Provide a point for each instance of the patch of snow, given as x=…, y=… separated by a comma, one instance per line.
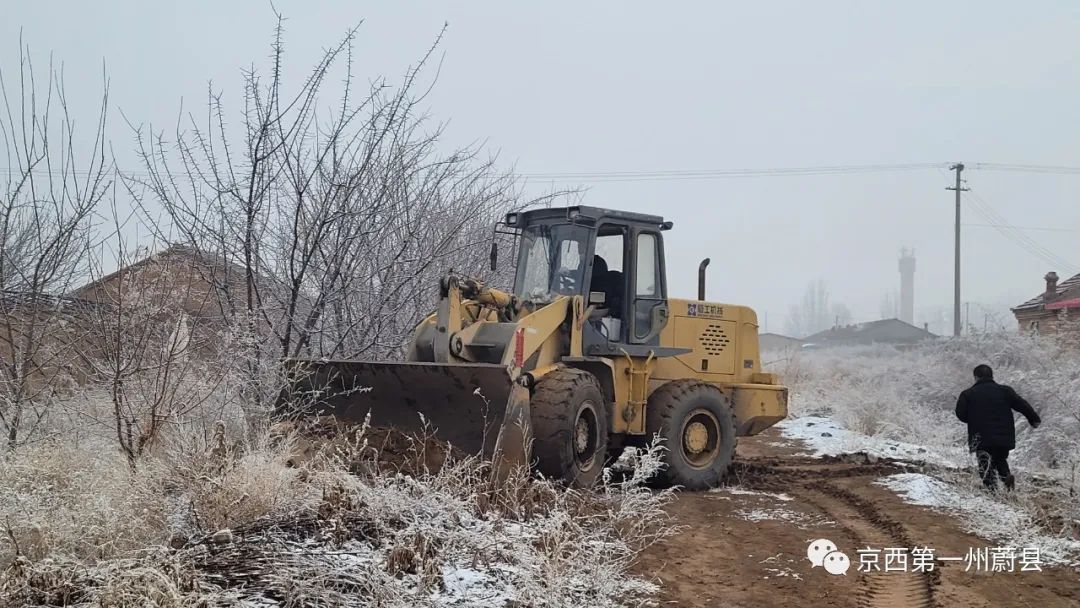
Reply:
x=983, y=515
x=779, y=572
x=802, y=520
x=824, y=437
x=469, y=587
x=924, y=490
x=742, y=492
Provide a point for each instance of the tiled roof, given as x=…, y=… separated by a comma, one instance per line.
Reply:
x=884, y=331
x=219, y=268
x=1062, y=288
x=771, y=341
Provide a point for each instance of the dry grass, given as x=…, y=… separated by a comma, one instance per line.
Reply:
x=204, y=525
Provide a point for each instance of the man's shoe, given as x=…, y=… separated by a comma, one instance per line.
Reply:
x=1010, y=482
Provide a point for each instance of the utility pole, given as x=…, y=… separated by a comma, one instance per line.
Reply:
x=959, y=168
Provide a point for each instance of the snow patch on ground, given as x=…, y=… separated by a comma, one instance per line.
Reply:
x=983, y=515
x=469, y=587
x=798, y=518
x=782, y=572
x=779, y=570
x=743, y=492
x=824, y=437
x=768, y=506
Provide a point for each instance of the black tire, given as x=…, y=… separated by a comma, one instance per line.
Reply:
x=698, y=428
x=570, y=426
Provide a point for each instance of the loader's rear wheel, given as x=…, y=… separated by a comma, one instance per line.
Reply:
x=697, y=426
x=570, y=426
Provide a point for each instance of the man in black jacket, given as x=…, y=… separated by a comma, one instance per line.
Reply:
x=987, y=408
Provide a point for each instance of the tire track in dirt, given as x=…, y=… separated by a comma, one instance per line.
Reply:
x=776, y=473
x=815, y=483
x=871, y=528
x=837, y=498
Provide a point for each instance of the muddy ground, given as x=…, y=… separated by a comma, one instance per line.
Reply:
x=740, y=549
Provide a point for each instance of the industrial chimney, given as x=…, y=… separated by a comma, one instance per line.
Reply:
x=907, y=285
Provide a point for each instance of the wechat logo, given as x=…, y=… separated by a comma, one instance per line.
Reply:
x=823, y=552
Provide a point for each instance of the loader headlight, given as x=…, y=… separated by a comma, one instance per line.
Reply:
x=511, y=219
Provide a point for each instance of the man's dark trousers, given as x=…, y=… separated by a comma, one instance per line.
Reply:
x=994, y=462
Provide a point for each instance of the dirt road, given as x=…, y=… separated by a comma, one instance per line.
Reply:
x=747, y=546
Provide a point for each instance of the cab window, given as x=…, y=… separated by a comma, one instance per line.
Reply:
x=648, y=263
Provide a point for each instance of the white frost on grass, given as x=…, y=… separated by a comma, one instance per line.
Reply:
x=983, y=515
x=824, y=437
x=470, y=587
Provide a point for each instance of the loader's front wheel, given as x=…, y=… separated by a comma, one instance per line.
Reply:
x=695, y=421
x=570, y=426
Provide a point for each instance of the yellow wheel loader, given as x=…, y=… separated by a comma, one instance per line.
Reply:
x=587, y=355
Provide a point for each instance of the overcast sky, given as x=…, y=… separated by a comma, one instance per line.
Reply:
x=644, y=87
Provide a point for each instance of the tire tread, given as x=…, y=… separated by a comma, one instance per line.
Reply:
x=661, y=412
x=551, y=420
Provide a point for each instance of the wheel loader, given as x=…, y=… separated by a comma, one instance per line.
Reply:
x=585, y=356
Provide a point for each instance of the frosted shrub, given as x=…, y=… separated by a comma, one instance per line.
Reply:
x=216, y=522
x=84, y=502
x=60, y=499
x=910, y=395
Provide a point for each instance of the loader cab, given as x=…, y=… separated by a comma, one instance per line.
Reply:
x=614, y=259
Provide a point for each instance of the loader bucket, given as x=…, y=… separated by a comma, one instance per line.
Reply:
x=475, y=407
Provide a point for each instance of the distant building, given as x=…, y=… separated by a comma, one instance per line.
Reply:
x=201, y=285
x=1057, y=307
x=886, y=331
x=776, y=342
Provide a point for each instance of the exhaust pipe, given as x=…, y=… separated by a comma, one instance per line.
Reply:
x=701, y=279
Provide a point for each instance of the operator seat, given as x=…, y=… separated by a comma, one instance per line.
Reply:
x=614, y=288
x=601, y=282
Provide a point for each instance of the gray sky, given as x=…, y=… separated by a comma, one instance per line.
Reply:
x=561, y=87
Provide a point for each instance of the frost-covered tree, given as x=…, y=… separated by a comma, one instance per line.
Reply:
x=335, y=219
x=890, y=305
x=50, y=187
x=816, y=312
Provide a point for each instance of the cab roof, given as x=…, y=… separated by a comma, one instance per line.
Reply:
x=592, y=215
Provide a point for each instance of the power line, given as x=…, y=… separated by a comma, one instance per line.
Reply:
x=1037, y=228
x=998, y=222
x=680, y=174
x=1024, y=168
x=698, y=174
x=702, y=174
x=69, y=172
x=815, y=170
x=651, y=175
x=1009, y=231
